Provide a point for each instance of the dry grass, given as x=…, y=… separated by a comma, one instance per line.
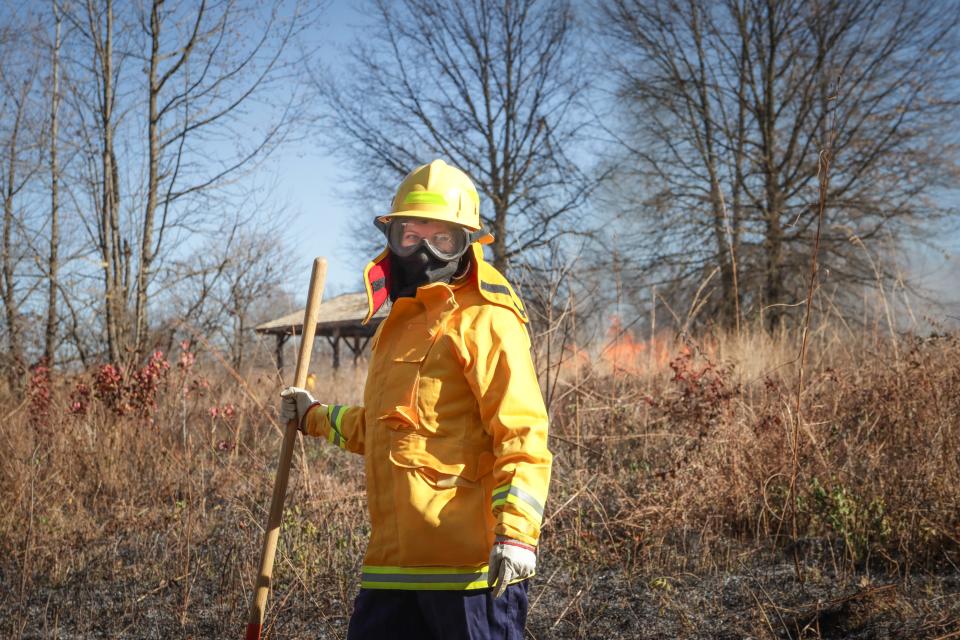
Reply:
x=664, y=521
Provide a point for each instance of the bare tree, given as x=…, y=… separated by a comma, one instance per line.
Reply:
x=727, y=106
x=182, y=66
x=489, y=86
x=197, y=91
x=256, y=271
x=18, y=165
x=232, y=283
x=129, y=138
x=94, y=95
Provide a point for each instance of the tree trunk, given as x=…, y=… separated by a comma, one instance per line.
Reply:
x=723, y=241
x=14, y=345
x=238, y=342
x=720, y=223
x=773, y=289
x=773, y=262
x=739, y=179
x=111, y=250
x=499, y=246
x=153, y=149
x=50, y=335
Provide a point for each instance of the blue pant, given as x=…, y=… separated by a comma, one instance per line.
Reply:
x=380, y=614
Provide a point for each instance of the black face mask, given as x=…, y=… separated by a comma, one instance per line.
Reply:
x=418, y=269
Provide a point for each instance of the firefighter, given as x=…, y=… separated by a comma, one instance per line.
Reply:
x=453, y=427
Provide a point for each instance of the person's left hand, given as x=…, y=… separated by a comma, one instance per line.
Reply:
x=509, y=560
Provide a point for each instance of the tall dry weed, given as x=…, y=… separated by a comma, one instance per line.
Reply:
x=702, y=448
x=145, y=521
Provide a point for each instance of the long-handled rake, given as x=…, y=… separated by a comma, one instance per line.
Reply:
x=272, y=532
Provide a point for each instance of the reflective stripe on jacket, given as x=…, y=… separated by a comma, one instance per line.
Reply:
x=453, y=431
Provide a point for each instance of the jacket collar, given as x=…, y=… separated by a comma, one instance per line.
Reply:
x=493, y=286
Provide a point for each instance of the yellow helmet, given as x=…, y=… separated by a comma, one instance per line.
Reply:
x=438, y=191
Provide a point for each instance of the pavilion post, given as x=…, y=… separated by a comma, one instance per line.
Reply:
x=281, y=340
x=334, y=341
x=336, y=350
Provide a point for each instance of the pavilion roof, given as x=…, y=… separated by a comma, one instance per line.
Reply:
x=342, y=315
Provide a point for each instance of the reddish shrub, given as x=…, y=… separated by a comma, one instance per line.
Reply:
x=187, y=358
x=108, y=388
x=226, y=412
x=146, y=383
x=121, y=393
x=38, y=391
x=80, y=399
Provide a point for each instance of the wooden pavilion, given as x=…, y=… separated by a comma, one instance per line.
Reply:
x=340, y=320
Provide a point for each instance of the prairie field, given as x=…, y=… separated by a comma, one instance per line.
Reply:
x=689, y=499
x=733, y=227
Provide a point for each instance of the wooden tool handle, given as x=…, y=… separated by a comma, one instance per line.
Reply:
x=272, y=533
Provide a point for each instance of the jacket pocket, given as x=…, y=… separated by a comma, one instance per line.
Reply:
x=441, y=462
x=440, y=502
x=397, y=394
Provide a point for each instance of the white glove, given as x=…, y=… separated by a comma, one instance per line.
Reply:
x=509, y=560
x=294, y=404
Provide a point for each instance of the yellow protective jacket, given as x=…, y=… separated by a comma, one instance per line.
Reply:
x=453, y=431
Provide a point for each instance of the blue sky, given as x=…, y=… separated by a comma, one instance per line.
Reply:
x=313, y=185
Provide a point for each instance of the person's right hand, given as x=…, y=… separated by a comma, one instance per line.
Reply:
x=294, y=404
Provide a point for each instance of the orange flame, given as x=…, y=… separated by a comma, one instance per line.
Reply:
x=623, y=353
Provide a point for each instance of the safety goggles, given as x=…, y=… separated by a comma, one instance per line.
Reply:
x=445, y=240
